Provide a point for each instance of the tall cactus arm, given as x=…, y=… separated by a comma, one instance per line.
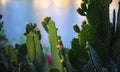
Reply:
x=34, y=48
x=53, y=38
x=30, y=46
x=83, y=36
x=40, y=62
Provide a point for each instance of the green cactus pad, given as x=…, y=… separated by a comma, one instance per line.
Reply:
x=76, y=28
x=83, y=6
x=81, y=12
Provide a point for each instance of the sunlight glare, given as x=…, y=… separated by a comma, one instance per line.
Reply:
x=62, y=3
x=3, y=2
x=42, y=3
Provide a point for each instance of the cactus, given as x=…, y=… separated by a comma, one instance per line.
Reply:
x=39, y=58
x=76, y=28
x=30, y=46
x=94, y=58
x=53, y=70
x=53, y=39
x=100, y=34
x=79, y=50
x=118, y=22
x=81, y=12
x=67, y=64
x=88, y=67
x=13, y=58
x=76, y=55
x=98, y=31
x=31, y=68
x=21, y=52
x=83, y=36
x=12, y=54
x=34, y=48
x=4, y=60
x=3, y=39
x=102, y=54
x=116, y=39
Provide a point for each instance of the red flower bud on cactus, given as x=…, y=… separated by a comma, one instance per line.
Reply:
x=59, y=47
x=42, y=22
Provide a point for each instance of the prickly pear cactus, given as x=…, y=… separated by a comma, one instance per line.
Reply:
x=99, y=33
x=76, y=56
x=79, y=50
x=102, y=35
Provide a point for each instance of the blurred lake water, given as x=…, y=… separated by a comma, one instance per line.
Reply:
x=17, y=12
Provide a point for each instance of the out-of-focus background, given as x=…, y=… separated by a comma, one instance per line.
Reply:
x=17, y=12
